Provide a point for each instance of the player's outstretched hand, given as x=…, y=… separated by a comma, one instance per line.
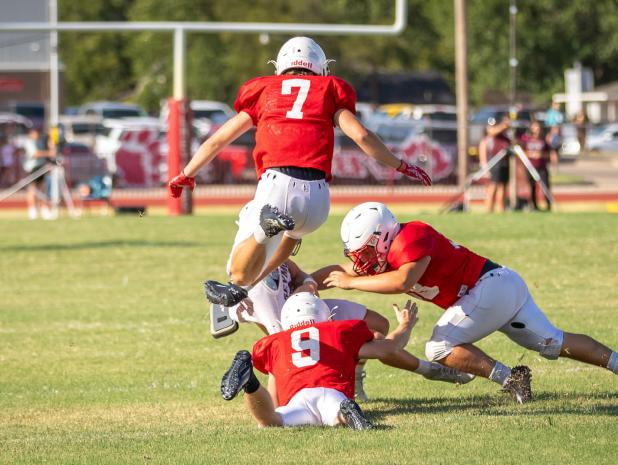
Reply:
x=408, y=316
x=339, y=279
x=414, y=172
x=178, y=183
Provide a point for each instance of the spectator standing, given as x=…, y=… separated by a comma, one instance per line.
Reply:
x=554, y=116
x=580, y=121
x=496, y=140
x=38, y=150
x=539, y=152
x=7, y=154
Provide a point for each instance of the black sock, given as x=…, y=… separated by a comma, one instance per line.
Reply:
x=252, y=385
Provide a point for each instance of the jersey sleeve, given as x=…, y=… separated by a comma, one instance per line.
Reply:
x=261, y=355
x=411, y=244
x=345, y=95
x=247, y=98
x=354, y=334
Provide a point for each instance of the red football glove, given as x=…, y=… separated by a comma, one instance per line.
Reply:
x=178, y=183
x=414, y=172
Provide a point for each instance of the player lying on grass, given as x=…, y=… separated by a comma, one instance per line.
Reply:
x=479, y=296
x=295, y=112
x=312, y=362
x=267, y=298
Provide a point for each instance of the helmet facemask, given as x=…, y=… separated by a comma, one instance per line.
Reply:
x=367, y=260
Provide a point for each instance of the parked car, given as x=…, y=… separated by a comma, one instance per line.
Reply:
x=81, y=164
x=34, y=111
x=16, y=127
x=20, y=125
x=81, y=129
x=432, y=144
x=134, y=149
x=234, y=164
x=570, y=148
x=207, y=115
x=420, y=112
x=365, y=111
x=112, y=110
x=603, y=138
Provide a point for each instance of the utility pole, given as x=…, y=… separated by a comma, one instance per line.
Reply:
x=461, y=79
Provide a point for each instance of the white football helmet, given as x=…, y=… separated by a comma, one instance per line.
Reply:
x=302, y=52
x=367, y=232
x=303, y=308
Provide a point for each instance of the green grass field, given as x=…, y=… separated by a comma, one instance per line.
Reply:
x=105, y=354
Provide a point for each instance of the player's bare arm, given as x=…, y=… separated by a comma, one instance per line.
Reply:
x=301, y=281
x=373, y=146
x=365, y=139
x=225, y=135
x=323, y=273
x=391, y=282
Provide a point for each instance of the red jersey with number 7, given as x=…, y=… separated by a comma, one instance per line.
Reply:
x=319, y=355
x=294, y=119
x=452, y=270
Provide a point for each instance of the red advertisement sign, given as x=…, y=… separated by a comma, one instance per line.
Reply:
x=11, y=85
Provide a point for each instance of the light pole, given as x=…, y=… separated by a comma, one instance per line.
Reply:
x=513, y=49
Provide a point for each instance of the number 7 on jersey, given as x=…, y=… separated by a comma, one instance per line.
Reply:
x=303, y=90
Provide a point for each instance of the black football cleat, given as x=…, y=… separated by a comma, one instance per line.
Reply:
x=353, y=415
x=237, y=376
x=227, y=295
x=518, y=384
x=272, y=221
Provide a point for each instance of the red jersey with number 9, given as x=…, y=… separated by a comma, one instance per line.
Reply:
x=294, y=119
x=319, y=355
x=453, y=269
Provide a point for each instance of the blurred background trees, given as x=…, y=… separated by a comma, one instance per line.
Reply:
x=551, y=36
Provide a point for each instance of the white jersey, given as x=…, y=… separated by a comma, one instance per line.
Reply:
x=269, y=295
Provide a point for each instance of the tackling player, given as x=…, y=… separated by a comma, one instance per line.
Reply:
x=294, y=112
x=267, y=298
x=312, y=361
x=479, y=296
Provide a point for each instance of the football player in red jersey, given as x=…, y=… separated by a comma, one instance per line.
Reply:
x=312, y=362
x=295, y=112
x=479, y=296
x=267, y=298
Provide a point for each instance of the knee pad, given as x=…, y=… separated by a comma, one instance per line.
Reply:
x=550, y=349
x=437, y=350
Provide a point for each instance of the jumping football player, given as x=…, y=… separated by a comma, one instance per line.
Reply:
x=479, y=296
x=267, y=298
x=294, y=112
x=312, y=361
